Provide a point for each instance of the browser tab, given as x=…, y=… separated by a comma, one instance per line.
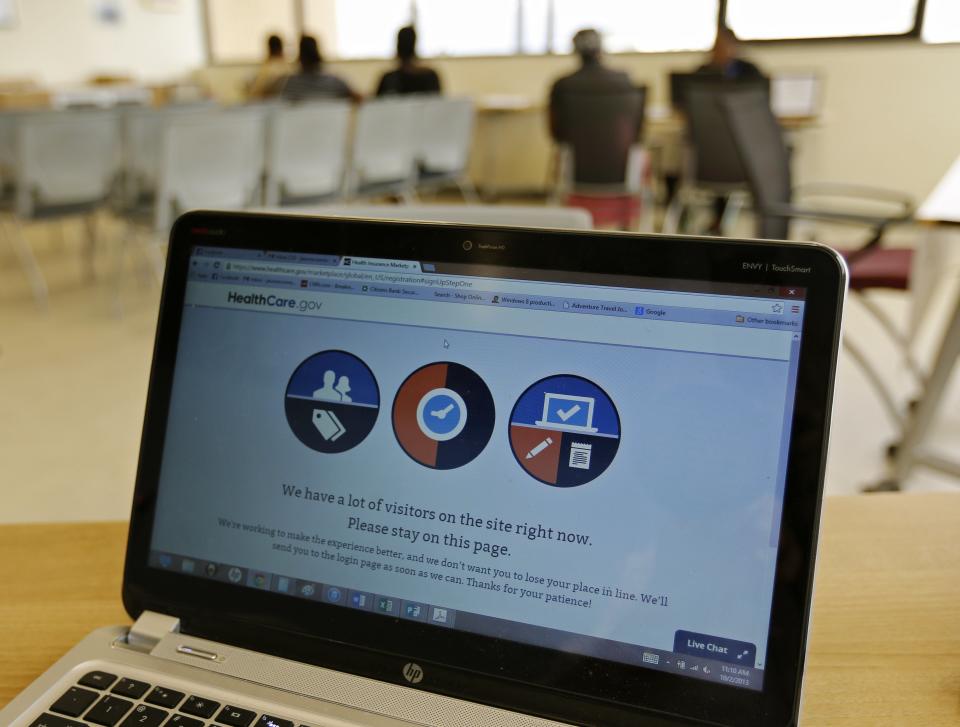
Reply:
x=383, y=264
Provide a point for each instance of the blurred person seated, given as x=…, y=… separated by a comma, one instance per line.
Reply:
x=593, y=77
x=410, y=76
x=725, y=64
x=311, y=82
x=272, y=71
x=596, y=117
x=725, y=61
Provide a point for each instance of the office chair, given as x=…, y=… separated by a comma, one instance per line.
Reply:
x=212, y=159
x=384, y=154
x=766, y=162
x=206, y=158
x=65, y=166
x=680, y=81
x=142, y=130
x=712, y=168
x=444, y=140
x=602, y=165
x=307, y=147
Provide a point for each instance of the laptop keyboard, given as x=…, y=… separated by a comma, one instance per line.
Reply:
x=105, y=700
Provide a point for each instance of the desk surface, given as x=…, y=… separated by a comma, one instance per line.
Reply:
x=885, y=646
x=657, y=115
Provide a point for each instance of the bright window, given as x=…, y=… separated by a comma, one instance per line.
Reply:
x=357, y=28
x=780, y=19
x=534, y=33
x=367, y=28
x=941, y=21
x=450, y=28
x=239, y=28
x=638, y=25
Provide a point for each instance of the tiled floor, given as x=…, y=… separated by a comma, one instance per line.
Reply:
x=73, y=384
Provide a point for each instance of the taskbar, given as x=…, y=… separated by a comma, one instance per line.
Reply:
x=676, y=662
x=299, y=588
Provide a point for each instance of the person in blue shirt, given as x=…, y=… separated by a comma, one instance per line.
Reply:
x=726, y=64
x=725, y=60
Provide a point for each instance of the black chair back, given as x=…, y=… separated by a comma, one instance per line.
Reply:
x=764, y=155
x=680, y=82
x=599, y=129
x=715, y=157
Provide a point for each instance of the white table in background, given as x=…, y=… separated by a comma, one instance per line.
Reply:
x=939, y=211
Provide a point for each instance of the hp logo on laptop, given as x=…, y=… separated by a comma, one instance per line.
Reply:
x=412, y=673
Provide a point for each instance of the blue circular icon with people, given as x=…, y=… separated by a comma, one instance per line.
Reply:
x=564, y=431
x=332, y=401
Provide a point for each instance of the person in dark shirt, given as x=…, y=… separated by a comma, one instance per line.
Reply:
x=592, y=77
x=312, y=82
x=725, y=61
x=409, y=76
x=726, y=64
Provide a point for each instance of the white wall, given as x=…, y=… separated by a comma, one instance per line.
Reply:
x=60, y=42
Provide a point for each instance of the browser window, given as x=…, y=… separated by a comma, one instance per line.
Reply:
x=572, y=461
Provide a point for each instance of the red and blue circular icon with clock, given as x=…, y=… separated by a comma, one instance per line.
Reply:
x=443, y=415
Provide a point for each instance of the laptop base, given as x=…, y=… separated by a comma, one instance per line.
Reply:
x=308, y=695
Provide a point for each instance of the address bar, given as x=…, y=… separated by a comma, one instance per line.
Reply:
x=361, y=276
x=501, y=286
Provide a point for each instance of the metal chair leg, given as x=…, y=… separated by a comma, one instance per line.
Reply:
x=731, y=212
x=127, y=240
x=891, y=329
x=155, y=254
x=467, y=190
x=90, y=237
x=646, y=209
x=909, y=451
x=28, y=261
x=874, y=378
x=408, y=195
x=673, y=214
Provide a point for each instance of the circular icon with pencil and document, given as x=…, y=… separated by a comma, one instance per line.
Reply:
x=443, y=415
x=332, y=401
x=564, y=431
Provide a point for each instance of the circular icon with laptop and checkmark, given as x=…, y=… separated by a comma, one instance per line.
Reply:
x=564, y=431
x=443, y=415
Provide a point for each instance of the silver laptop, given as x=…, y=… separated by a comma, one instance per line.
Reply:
x=431, y=474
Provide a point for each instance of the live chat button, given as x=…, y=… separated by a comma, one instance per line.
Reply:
x=715, y=647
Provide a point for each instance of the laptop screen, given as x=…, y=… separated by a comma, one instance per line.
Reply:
x=588, y=463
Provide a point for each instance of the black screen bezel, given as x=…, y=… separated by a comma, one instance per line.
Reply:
x=531, y=679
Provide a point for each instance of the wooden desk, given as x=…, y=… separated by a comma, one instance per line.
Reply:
x=514, y=153
x=885, y=646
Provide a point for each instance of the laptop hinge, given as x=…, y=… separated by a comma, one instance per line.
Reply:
x=147, y=630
